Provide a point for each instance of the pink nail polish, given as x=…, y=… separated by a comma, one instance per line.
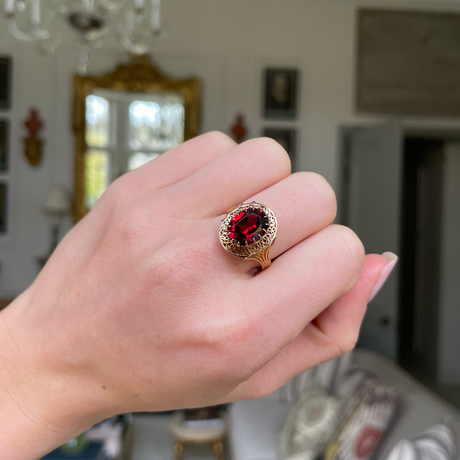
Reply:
x=384, y=274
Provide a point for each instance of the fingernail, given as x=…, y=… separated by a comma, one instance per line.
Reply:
x=384, y=274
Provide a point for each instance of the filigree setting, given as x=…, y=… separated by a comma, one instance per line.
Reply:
x=259, y=250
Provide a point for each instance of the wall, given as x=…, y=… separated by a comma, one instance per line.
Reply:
x=449, y=362
x=226, y=44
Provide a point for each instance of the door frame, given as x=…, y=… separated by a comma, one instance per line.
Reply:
x=345, y=133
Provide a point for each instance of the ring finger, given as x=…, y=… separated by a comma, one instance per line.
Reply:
x=304, y=203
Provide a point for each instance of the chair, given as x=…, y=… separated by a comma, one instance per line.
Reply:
x=211, y=431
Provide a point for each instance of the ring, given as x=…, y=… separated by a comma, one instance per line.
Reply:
x=249, y=231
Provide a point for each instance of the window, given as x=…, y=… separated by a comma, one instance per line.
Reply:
x=97, y=157
x=125, y=131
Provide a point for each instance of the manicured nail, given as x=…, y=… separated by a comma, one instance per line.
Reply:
x=384, y=274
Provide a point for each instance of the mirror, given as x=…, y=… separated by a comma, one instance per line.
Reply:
x=124, y=119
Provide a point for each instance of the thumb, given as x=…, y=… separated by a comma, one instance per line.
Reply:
x=332, y=332
x=342, y=320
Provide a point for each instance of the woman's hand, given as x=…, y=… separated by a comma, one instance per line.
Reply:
x=140, y=308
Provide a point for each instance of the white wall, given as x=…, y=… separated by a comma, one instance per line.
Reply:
x=226, y=44
x=449, y=346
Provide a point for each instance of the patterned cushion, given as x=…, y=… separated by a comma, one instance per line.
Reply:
x=368, y=410
x=436, y=443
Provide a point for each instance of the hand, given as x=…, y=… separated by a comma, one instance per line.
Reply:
x=140, y=308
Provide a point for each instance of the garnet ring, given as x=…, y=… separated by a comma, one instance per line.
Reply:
x=249, y=231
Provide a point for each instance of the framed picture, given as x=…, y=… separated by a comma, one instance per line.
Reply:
x=4, y=145
x=415, y=69
x=287, y=138
x=280, y=95
x=5, y=82
x=3, y=207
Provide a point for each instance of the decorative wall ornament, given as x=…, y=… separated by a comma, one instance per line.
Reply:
x=239, y=129
x=32, y=143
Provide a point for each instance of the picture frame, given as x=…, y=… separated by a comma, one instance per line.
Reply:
x=400, y=73
x=287, y=138
x=4, y=144
x=6, y=65
x=3, y=207
x=280, y=93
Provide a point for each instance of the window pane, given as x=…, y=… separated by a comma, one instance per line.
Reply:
x=156, y=125
x=96, y=175
x=138, y=159
x=97, y=121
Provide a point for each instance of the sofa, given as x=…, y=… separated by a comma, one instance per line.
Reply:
x=255, y=425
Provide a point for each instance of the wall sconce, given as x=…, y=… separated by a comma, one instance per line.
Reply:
x=32, y=143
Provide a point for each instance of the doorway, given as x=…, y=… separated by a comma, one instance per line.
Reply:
x=399, y=192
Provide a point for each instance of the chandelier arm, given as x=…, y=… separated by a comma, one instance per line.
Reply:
x=142, y=21
x=35, y=35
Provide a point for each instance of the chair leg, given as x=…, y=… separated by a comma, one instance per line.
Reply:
x=178, y=450
x=219, y=450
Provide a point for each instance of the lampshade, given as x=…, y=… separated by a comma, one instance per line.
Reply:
x=57, y=201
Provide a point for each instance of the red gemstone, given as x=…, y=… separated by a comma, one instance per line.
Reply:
x=247, y=227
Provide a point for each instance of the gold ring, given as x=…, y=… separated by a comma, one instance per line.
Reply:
x=249, y=231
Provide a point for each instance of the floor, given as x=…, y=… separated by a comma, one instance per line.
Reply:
x=153, y=441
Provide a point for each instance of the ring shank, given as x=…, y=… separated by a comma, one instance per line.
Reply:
x=262, y=257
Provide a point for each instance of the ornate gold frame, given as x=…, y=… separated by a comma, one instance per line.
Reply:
x=139, y=75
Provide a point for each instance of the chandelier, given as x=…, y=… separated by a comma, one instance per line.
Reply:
x=131, y=24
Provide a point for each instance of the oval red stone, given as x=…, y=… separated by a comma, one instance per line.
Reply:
x=247, y=227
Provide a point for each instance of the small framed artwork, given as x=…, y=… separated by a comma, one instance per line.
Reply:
x=287, y=138
x=3, y=207
x=5, y=82
x=4, y=145
x=280, y=95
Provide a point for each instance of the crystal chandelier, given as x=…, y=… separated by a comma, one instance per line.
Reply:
x=132, y=24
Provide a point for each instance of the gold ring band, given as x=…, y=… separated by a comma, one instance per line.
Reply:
x=249, y=231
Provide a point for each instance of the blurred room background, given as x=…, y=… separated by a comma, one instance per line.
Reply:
x=364, y=92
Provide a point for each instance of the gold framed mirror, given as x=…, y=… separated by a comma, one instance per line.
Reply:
x=124, y=119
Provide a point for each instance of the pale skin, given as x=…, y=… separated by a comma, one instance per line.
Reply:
x=140, y=308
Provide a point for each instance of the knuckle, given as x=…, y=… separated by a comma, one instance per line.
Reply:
x=119, y=186
x=223, y=344
x=118, y=195
x=129, y=229
x=350, y=247
x=271, y=155
x=110, y=198
x=220, y=139
x=306, y=182
x=347, y=343
x=232, y=341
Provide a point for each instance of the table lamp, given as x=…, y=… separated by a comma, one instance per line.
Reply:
x=56, y=206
